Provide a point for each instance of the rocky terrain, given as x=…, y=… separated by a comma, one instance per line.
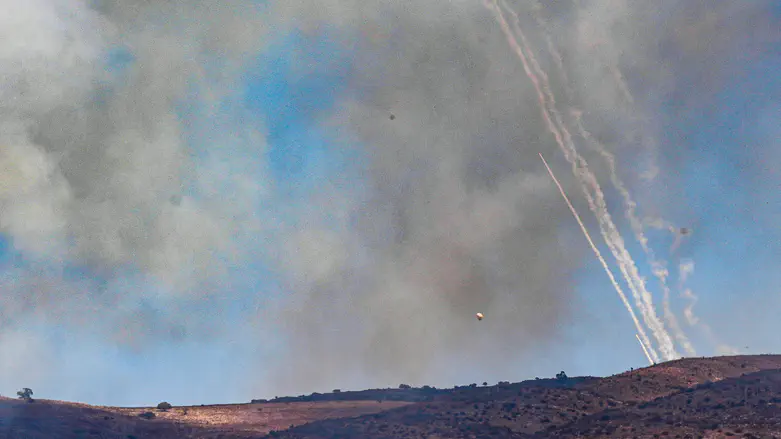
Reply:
x=737, y=397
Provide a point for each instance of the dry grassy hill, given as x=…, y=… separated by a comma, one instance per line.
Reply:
x=644, y=403
x=45, y=419
x=689, y=398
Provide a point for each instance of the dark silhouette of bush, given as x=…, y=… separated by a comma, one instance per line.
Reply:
x=146, y=415
x=404, y=386
x=164, y=406
x=561, y=376
x=26, y=394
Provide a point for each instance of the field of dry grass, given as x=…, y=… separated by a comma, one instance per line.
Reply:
x=262, y=418
x=47, y=419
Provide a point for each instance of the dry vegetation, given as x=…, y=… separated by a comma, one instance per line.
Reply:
x=726, y=397
x=263, y=418
x=46, y=419
x=688, y=398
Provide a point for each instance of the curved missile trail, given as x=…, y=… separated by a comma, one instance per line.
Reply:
x=621, y=294
x=685, y=269
x=609, y=232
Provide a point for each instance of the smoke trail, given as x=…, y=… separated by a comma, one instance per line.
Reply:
x=686, y=269
x=644, y=350
x=557, y=58
x=612, y=63
x=661, y=224
x=677, y=240
x=580, y=168
x=658, y=267
x=645, y=342
x=616, y=237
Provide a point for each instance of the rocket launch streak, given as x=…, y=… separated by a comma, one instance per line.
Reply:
x=601, y=260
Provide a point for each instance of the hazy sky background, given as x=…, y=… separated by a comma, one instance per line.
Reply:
x=212, y=203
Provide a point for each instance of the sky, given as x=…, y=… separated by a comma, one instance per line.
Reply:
x=216, y=203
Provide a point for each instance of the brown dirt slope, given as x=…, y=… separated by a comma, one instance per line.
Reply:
x=663, y=379
x=44, y=419
x=748, y=406
x=649, y=402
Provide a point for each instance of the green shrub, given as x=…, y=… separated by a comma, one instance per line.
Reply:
x=26, y=394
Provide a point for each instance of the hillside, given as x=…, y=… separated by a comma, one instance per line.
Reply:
x=46, y=419
x=688, y=398
x=697, y=397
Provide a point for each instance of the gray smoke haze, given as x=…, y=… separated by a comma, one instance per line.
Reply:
x=461, y=216
x=453, y=213
x=91, y=162
x=456, y=219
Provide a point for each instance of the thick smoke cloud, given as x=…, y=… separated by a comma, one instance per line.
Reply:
x=455, y=218
x=460, y=215
x=121, y=228
x=140, y=174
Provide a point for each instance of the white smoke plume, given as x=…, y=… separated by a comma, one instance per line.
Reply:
x=589, y=184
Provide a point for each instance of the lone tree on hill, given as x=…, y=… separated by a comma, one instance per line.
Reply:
x=164, y=406
x=561, y=376
x=26, y=394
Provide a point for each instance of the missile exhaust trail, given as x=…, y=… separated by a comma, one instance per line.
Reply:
x=645, y=351
x=617, y=287
x=588, y=183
